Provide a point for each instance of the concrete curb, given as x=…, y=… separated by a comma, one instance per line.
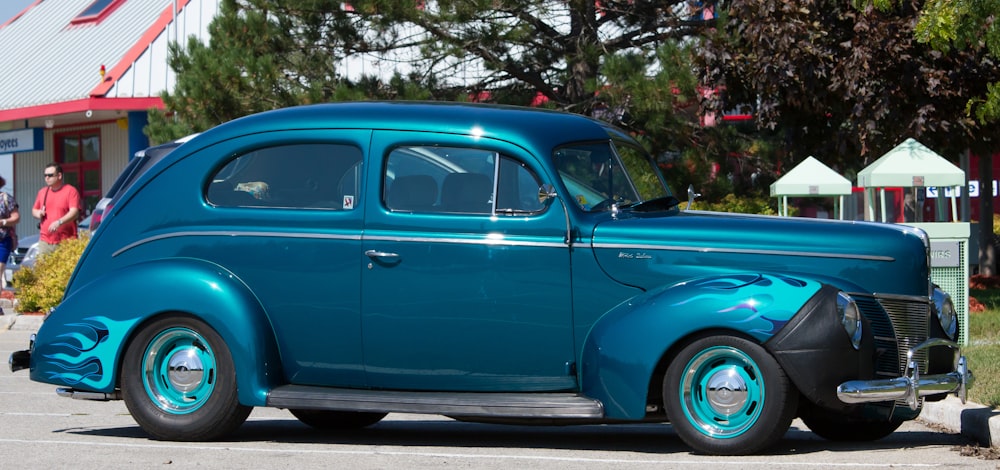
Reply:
x=973, y=420
x=14, y=321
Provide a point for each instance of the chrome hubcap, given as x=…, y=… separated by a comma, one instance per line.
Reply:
x=727, y=392
x=179, y=370
x=185, y=370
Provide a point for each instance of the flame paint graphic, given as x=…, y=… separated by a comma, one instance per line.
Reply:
x=82, y=356
x=747, y=300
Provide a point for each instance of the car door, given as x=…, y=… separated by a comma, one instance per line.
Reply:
x=465, y=283
x=283, y=213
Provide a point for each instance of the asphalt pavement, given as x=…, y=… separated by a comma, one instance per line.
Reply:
x=972, y=420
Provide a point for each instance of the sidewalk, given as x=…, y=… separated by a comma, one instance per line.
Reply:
x=972, y=420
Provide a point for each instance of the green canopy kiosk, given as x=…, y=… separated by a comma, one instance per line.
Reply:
x=811, y=178
x=914, y=167
x=909, y=165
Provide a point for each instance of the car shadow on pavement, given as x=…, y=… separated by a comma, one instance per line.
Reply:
x=642, y=438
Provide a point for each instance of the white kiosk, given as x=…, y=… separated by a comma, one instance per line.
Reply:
x=811, y=178
x=914, y=167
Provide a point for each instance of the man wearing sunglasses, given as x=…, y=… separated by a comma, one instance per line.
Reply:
x=57, y=207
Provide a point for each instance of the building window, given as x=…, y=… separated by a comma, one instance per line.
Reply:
x=79, y=154
x=97, y=11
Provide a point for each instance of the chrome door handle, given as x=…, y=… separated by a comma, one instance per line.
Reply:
x=380, y=254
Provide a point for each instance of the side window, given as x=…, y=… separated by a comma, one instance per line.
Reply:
x=298, y=176
x=517, y=193
x=450, y=180
x=440, y=180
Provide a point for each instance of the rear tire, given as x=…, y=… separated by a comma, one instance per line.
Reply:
x=726, y=395
x=329, y=420
x=179, y=381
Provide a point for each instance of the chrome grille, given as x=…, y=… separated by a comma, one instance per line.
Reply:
x=898, y=323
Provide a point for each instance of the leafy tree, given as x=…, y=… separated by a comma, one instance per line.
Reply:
x=962, y=24
x=845, y=84
x=268, y=54
x=966, y=24
x=626, y=61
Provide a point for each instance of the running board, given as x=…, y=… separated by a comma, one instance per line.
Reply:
x=512, y=405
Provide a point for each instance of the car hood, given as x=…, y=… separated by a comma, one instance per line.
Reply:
x=652, y=251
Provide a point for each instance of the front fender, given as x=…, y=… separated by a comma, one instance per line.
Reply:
x=626, y=344
x=80, y=345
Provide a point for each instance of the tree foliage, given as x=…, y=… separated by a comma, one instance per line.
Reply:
x=621, y=60
x=845, y=84
x=268, y=54
x=962, y=24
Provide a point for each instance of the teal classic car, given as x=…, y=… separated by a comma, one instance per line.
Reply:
x=497, y=264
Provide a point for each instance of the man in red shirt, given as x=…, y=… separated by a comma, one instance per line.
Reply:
x=57, y=206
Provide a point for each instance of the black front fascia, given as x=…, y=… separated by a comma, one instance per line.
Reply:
x=816, y=353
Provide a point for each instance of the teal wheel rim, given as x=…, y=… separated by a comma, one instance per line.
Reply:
x=179, y=370
x=722, y=392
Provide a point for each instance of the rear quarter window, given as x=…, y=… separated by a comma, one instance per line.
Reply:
x=296, y=176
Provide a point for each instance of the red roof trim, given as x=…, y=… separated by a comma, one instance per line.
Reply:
x=80, y=106
x=15, y=17
x=138, y=48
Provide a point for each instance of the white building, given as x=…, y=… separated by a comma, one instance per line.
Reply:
x=80, y=78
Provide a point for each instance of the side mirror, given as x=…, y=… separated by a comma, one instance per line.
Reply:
x=691, y=196
x=546, y=193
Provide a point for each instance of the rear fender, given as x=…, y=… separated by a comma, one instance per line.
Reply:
x=625, y=346
x=82, y=342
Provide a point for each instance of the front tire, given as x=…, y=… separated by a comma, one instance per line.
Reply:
x=726, y=395
x=179, y=381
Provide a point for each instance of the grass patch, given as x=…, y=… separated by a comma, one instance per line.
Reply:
x=983, y=350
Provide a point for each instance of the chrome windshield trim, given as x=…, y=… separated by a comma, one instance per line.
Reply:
x=233, y=233
x=474, y=239
x=703, y=249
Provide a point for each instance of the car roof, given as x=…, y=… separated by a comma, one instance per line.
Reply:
x=530, y=127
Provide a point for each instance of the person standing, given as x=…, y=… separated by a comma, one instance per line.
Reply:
x=9, y=216
x=56, y=206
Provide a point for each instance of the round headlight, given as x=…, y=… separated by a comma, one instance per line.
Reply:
x=850, y=318
x=946, y=314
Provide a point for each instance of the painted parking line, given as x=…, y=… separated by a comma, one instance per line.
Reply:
x=452, y=455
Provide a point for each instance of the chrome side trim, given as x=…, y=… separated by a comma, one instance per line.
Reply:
x=703, y=249
x=233, y=233
x=478, y=240
x=475, y=239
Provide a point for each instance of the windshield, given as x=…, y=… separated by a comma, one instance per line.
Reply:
x=601, y=175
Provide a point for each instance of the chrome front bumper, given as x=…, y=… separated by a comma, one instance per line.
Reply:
x=911, y=386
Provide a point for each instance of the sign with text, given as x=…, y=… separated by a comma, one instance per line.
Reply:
x=22, y=140
x=945, y=254
x=933, y=192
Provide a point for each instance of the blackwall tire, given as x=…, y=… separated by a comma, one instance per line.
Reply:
x=179, y=381
x=834, y=426
x=726, y=395
x=329, y=420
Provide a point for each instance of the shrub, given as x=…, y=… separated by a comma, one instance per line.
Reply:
x=742, y=205
x=41, y=287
